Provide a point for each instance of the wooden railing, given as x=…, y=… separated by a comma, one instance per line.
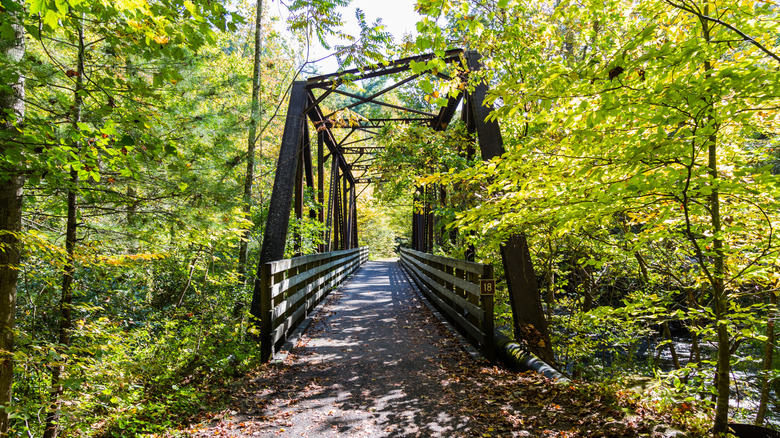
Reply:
x=462, y=291
x=291, y=288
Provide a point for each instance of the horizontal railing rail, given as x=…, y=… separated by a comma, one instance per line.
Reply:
x=462, y=291
x=291, y=288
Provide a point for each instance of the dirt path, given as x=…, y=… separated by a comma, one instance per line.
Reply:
x=376, y=362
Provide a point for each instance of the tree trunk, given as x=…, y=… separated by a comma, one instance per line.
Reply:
x=243, y=249
x=693, y=326
x=720, y=298
x=66, y=303
x=672, y=349
x=132, y=216
x=11, y=184
x=529, y=322
x=769, y=348
x=716, y=275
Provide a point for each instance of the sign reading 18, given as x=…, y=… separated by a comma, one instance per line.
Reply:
x=487, y=286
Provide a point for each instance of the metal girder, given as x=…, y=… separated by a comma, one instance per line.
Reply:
x=488, y=133
x=369, y=99
x=446, y=113
x=392, y=67
x=362, y=150
x=368, y=180
x=379, y=102
x=381, y=123
x=524, y=296
x=275, y=235
x=317, y=119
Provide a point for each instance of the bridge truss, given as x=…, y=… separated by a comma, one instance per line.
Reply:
x=343, y=137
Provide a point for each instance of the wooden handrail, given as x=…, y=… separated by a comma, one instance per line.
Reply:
x=291, y=288
x=462, y=291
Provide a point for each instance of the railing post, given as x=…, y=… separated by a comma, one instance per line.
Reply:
x=487, y=290
x=266, y=281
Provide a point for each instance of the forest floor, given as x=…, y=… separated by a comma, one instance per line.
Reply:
x=377, y=362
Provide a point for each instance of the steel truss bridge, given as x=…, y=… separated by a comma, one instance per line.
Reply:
x=344, y=137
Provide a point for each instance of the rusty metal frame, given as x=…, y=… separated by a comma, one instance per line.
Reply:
x=295, y=165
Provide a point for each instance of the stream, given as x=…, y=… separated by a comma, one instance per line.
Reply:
x=646, y=357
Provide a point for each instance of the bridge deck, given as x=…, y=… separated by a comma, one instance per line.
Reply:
x=376, y=362
x=369, y=365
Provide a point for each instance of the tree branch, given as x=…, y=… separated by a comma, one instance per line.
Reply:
x=745, y=37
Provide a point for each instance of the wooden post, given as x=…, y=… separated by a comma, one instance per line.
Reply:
x=487, y=290
x=265, y=282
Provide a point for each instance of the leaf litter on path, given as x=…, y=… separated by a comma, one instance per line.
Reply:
x=376, y=362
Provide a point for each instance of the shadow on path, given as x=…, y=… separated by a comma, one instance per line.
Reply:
x=376, y=362
x=370, y=364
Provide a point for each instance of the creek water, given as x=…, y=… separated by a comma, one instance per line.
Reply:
x=648, y=355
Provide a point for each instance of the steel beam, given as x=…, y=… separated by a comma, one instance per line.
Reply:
x=488, y=132
x=278, y=221
x=397, y=66
x=297, y=237
x=380, y=103
x=324, y=126
x=321, y=186
x=275, y=235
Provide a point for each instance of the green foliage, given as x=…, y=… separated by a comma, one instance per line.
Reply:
x=383, y=227
x=412, y=152
x=632, y=127
x=160, y=318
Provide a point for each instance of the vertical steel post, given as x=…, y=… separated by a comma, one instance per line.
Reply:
x=275, y=234
x=332, y=197
x=337, y=222
x=321, y=187
x=525, y=299
x=297, y=237
x=308, y=166
x=345, y=217
x=429, y=218
x=355, y=242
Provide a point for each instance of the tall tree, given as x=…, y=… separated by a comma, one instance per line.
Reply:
x=71, y=230
x=107, y=62
x=12, y=109
x=254, y=120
